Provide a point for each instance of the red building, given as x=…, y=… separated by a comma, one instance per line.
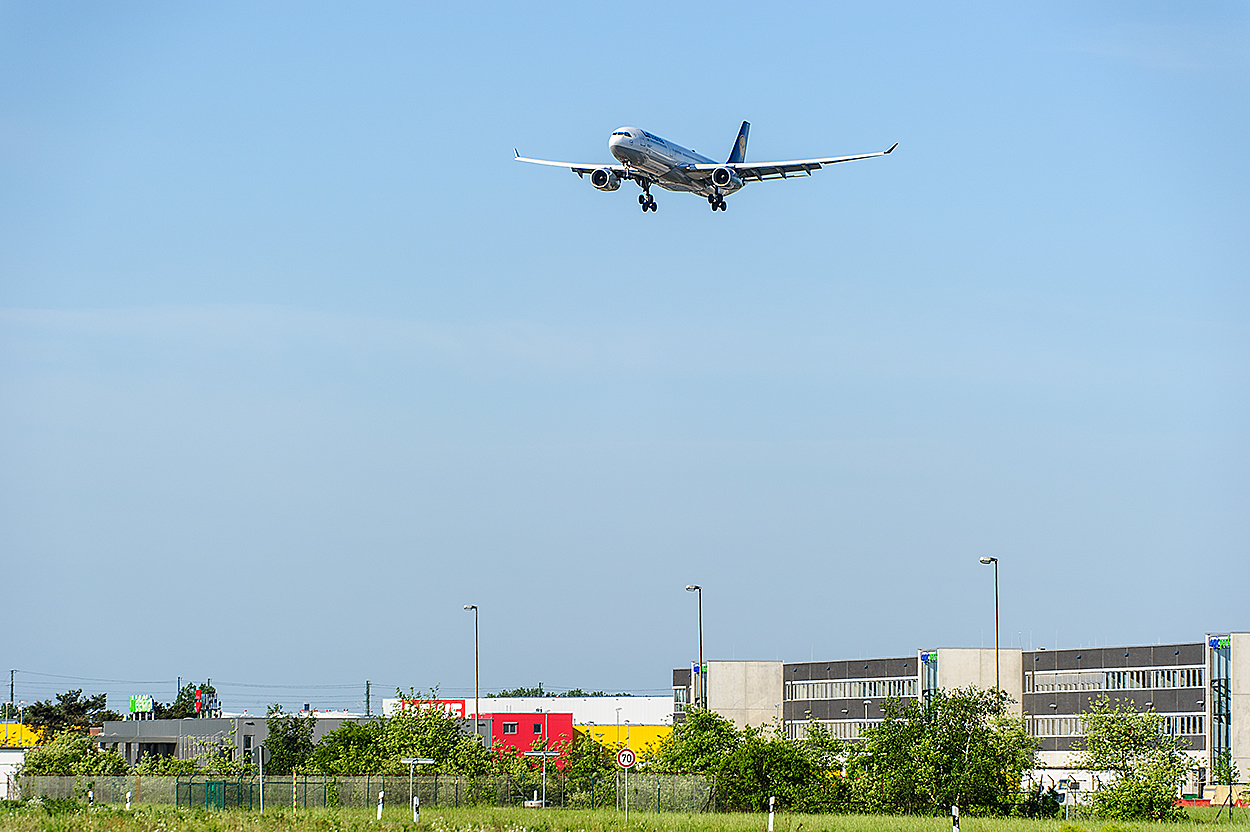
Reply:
x=531, y=731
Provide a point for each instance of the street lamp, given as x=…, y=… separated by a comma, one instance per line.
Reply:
x=476, y=712
x=997, y=679
x=618, y=729
x=701, y=699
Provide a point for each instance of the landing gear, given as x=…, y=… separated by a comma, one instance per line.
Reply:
x=717, y=202
x=645, y=199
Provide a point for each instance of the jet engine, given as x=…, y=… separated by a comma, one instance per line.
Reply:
x=726, y=179
x=605, y=180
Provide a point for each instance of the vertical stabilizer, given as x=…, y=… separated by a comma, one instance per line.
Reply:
x=739, y=153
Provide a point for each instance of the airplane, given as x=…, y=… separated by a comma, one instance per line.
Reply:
x=650, y=160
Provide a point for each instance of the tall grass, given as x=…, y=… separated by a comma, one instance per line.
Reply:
x=35, y=818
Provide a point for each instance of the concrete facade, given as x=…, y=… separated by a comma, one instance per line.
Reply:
x=1172, y=680
x=187, y=739
x=959, y=667
x=746, y=692
x=1240, y=700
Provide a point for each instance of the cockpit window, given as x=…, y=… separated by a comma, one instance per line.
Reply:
x=621, y=133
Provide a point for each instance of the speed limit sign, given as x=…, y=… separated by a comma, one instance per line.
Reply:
x=625, y=758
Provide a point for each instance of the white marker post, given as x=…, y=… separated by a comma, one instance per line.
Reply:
x=262, y=754
x=127, y=801
x=90, y=798
x=771, y=801
x=954, y=819
x=380, y=804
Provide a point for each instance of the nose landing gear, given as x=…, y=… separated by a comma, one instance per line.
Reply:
x=717, y=202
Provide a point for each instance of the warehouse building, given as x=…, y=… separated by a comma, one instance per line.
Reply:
x=1202, y=688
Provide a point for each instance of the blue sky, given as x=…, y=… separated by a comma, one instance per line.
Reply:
x=295, y=360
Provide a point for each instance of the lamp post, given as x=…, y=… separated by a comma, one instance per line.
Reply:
x=997, y=678
x=701, y=699
x=476, y=711
x=618, y=729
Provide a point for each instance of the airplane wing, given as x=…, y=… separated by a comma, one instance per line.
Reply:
x=580, y=170
x=759, y=171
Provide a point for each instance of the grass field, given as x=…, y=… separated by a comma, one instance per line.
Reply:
x=65, y=818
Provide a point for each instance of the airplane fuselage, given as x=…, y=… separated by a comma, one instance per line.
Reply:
x=661, y=161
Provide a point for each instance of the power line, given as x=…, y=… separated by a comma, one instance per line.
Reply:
x=90, y=679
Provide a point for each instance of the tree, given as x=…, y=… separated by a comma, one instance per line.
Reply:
x=70, y=712
x=1223, y=770
x=183, y=705
x=1147, y=763
x=766, y=764
x=290, y=740
x=582, y=693
x=72, y=753
x=753, y=764
x=959, y=749
x=698, y=745
x=589, y=769
x=517, y=692
x=378, y=746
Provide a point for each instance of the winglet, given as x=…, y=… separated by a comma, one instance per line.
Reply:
x=891, y=150
x=517, y=155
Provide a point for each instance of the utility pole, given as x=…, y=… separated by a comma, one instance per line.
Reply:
x=11, y=674
x=368, y=712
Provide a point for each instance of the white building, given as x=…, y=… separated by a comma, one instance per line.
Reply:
x=586, y=710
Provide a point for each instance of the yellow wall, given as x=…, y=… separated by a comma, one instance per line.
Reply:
x=643, y=739
x=16, y=735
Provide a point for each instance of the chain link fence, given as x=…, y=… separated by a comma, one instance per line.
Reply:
x=646, y=792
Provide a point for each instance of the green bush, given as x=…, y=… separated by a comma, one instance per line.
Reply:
x=1148, y=763
x=70, y=753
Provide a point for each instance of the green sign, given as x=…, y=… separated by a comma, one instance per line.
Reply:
x=140, y=704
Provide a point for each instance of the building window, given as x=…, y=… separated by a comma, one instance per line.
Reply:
x=1143, y=679
x=538, y=728
x=844, y=729
x=679, y=700
x=856, y=689
x=509, y=727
